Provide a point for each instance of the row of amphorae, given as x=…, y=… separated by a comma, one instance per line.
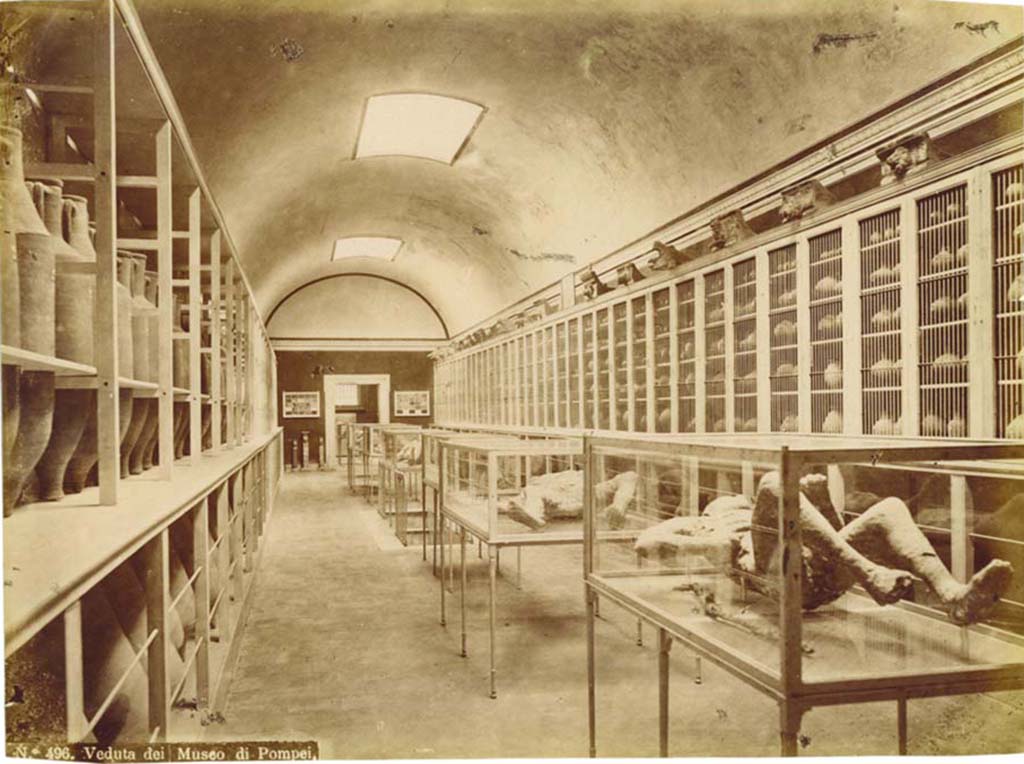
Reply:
x=50, y=448
x=49, y=308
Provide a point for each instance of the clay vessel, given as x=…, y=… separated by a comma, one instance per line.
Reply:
x=75, y=295
x=207, y=421
x=10, y=307
x=75, y=318
x=107, y=656
x=140, y=310
x=127, y=595
x=36, y=289
x=36, y=283
x=180, y=348
x=142, y=454
x=181, y=428
x=76, y=231
x=23, y=228
x=83, y=461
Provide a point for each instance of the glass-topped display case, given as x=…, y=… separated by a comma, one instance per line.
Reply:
x=818, y=570
x=395, y=442
x=504, y=492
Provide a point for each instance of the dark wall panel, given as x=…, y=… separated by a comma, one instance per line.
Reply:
x=299, y=371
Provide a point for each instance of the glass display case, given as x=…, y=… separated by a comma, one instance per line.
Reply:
x=507, y=493
x=588, y=336
x=576, y=356
x=714, y=351
x=744, y=332
x=826, y=330
x=662, y=325
x=639, y=360
x=942, y=235
x=395, y=440
x=783, y=324
x=560, y=359
x=879, y=307
x=881, y=318
x=366, y=451
x=1007, y=223
x=603, y=378
x=818, y=571
x=620, y=351
x=687, y=353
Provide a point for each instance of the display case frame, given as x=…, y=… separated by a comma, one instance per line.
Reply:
x=794, y=694
x=468, y=525
x=389, y=440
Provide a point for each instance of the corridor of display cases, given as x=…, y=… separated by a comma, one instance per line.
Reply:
x=344, y=646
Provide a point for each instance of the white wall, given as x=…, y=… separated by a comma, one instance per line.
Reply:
x=355, y=307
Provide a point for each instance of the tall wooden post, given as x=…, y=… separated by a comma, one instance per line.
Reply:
x=165, y=299
x=195, y=328
x=105, y=210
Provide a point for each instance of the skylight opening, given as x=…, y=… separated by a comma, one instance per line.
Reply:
x=416, y=125
x=380, y=247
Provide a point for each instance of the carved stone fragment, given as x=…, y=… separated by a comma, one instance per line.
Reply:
x=802, y=198
x=728, y=229
x=627, y=274
x=667, y=257
x=905, y=156
x=593, y=287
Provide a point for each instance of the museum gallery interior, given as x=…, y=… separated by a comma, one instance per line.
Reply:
x=521, y=379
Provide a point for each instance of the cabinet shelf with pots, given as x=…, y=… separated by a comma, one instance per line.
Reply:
x=825, y=255
x=714, y=351
x=109, y=321
x=744, y=329
x=846, y=340
x=783, y=343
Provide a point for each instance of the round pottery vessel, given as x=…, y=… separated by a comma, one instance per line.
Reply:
x=36, y=398
x=75, y=319
x=107, y=656
x=20, y=219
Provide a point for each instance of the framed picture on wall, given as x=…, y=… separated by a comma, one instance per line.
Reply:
x=412, y=403
x=301, y=405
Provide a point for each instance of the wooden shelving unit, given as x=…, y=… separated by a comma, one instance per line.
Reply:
x=826, y=331
x=196, y=522
x=845, y=337
x=744, y=302
x=691, y=344
x=882, y=320
x=1007, y=204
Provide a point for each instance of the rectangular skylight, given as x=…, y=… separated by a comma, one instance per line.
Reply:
x=417, y=125
x=381, y=247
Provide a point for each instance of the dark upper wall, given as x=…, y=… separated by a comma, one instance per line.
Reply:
x=303, y=371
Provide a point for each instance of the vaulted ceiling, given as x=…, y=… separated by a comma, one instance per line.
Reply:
x=604, y=120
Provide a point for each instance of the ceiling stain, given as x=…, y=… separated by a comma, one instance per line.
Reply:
x=982, y=29
x=842, y=40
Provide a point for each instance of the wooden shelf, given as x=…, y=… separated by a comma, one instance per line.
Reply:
x=38, y=587
x=29, y=361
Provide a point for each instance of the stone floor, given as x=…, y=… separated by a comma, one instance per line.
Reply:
x=344, y=646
